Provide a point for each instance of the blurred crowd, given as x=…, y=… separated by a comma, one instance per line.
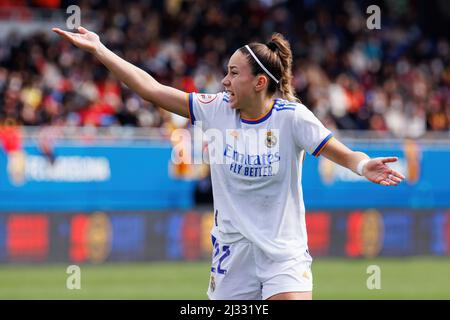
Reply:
x=395, y=79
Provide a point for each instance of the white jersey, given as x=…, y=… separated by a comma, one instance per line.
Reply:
x=257, y=186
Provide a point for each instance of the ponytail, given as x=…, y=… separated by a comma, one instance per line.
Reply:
x=282, y=48
x=276, y=57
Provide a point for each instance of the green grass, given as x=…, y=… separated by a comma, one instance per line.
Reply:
x=406, y=278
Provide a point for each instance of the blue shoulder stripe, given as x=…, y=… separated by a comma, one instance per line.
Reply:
x=284, y=108
x=284, y=103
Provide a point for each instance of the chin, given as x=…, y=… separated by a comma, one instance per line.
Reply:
x=233, y=105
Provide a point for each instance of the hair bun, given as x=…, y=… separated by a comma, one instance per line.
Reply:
x=272, y=46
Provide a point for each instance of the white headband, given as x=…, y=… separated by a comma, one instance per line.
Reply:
x=261, y=65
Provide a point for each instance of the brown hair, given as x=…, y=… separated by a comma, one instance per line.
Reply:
x=276, y=56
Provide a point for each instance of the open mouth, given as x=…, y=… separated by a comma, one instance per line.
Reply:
x=230, y=93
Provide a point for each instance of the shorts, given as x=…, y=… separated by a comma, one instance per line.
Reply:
x=241, y=271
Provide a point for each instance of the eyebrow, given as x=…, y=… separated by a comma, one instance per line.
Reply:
x=231, y=67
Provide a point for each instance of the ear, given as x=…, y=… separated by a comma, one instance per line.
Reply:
x=261, y=82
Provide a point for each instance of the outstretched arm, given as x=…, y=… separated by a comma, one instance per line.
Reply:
x=136, y=79
x=375, y=170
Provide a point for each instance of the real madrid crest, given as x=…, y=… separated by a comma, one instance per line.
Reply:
x=271, y=139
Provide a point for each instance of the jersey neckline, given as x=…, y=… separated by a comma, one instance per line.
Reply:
x=260, y=119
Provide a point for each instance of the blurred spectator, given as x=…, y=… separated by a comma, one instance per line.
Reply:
x=395, y=80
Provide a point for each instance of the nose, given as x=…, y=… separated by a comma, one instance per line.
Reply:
x=225, y=81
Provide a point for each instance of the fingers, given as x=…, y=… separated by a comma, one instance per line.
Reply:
x=388, y=182
x=82, y=30
x=395, y=179
x=65, y=34
x=392, y=180
x=389, y=159
x=397, y=175
x=58, y=31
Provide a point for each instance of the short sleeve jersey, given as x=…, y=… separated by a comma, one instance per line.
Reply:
x=256, y=170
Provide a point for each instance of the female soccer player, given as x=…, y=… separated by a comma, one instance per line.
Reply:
x=259, y=234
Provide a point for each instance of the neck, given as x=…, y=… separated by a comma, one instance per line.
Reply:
x=259, y=107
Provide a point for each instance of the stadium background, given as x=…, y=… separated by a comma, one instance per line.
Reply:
x=86, y=175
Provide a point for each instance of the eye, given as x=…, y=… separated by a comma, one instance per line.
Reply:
x=233, y=73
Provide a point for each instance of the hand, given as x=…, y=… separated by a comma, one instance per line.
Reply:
x=377, y=171
x=85, y=39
